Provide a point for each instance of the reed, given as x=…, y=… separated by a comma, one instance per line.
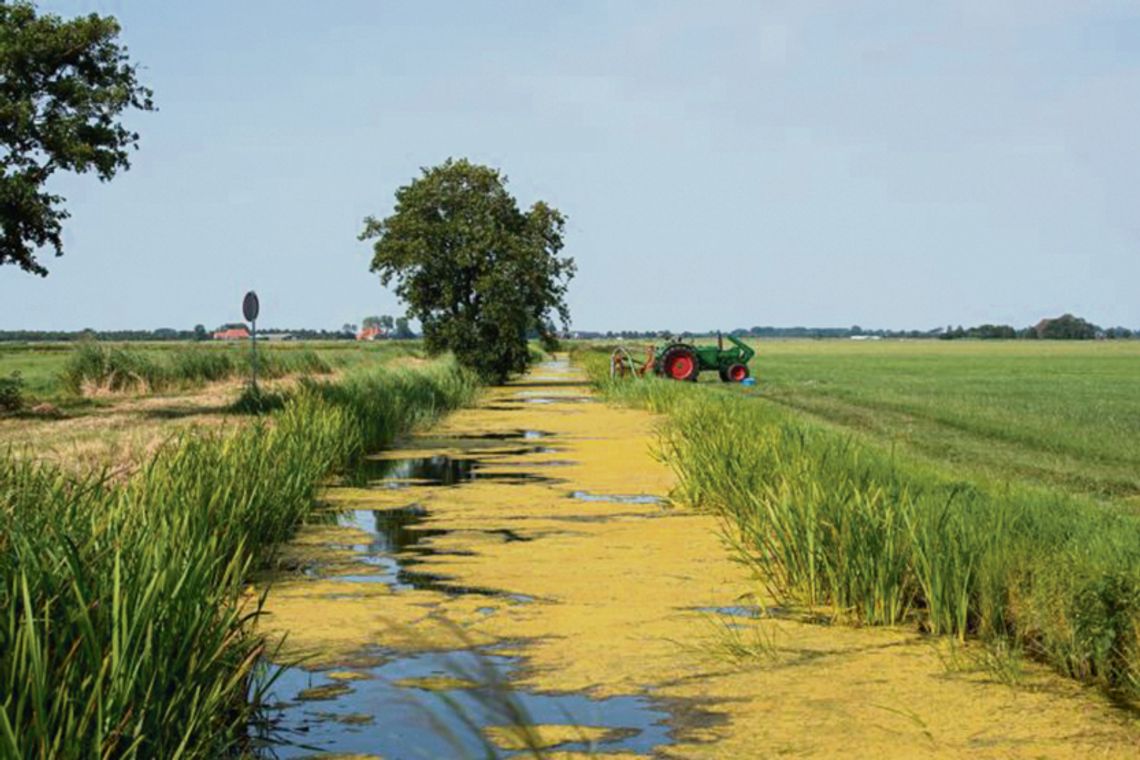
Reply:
x=117, y=369
x=127, y=629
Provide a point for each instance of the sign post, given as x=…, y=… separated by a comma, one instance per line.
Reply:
x=250, y=307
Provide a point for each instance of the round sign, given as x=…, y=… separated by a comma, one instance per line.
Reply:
x=250, y=306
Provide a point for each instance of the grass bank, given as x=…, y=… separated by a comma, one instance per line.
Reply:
x=828, y=519
x=125, y=630
x=59, y=372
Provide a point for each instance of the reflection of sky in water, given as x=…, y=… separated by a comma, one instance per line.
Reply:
x=443, y=470
x=395, y=549
x=415, y=723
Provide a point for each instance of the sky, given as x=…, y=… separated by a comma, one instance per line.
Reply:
x=723, y=164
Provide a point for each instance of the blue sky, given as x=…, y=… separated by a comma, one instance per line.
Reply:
x=723, y=164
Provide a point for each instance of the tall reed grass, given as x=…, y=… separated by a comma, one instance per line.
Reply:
x=830, y=520
x=126, y=629
x=93, y=366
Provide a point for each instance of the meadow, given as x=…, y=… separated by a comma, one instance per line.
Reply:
x=1063, y=414
x=127, y=628
x=980, y=491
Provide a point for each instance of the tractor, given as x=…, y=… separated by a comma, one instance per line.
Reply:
x=682, y=361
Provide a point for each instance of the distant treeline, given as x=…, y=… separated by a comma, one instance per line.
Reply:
x=760, y=332
x=1065, y=327
x=162, y=334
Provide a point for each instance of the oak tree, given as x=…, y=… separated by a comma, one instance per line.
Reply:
x=63, y=86
x=476, y=271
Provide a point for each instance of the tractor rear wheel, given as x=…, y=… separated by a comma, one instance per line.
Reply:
x=735, y=373
x=680, y=363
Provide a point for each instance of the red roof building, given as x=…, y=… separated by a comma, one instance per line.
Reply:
x=236, y=333
x=371, y=333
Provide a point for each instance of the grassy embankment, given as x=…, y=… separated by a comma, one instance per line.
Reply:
x=62, y=373
x=871, y=522
x=82, y=408
x=125, y=631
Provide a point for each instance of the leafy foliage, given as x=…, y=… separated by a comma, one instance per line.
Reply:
x=403, y=331
x=1066, y=327
x=63, y=85
x=255, y=400
x=11, y=393
x=384, y=322
x=476, y=271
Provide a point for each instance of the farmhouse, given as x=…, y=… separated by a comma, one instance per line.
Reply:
x=372, y=333
x=233, y=333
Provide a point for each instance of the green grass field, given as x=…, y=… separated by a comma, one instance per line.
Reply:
x=1064, y=414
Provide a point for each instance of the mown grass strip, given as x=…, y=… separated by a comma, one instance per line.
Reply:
x=127, y=630
x=830, y=520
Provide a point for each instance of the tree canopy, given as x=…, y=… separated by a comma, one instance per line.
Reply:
x=476, y=271
x=63, y=86
x=383, y=322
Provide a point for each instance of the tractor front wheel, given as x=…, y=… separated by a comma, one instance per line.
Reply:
x=680, y=363
x=734, y=373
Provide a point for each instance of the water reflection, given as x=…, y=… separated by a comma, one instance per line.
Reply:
x=445, y=470
x=437, y=704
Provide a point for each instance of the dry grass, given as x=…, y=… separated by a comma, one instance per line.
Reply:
x=124, y=429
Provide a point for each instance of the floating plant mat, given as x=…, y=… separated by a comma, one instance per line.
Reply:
x=612, y=595
x=447, y=704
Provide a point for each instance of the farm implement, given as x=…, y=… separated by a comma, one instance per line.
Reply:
x=683, y=361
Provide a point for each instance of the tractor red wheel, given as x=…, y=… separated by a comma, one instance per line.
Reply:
x=680, y=363
x=736, y=373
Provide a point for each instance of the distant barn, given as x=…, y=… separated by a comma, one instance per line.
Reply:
x=233, y=333
x=371, y=333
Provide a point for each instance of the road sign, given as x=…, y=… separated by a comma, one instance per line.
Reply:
x=250, y=306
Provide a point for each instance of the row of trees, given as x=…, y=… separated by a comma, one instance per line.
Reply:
x=199, y=333
x=1064, y=327
x=394, y=327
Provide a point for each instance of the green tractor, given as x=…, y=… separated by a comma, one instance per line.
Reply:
x=683, y=361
